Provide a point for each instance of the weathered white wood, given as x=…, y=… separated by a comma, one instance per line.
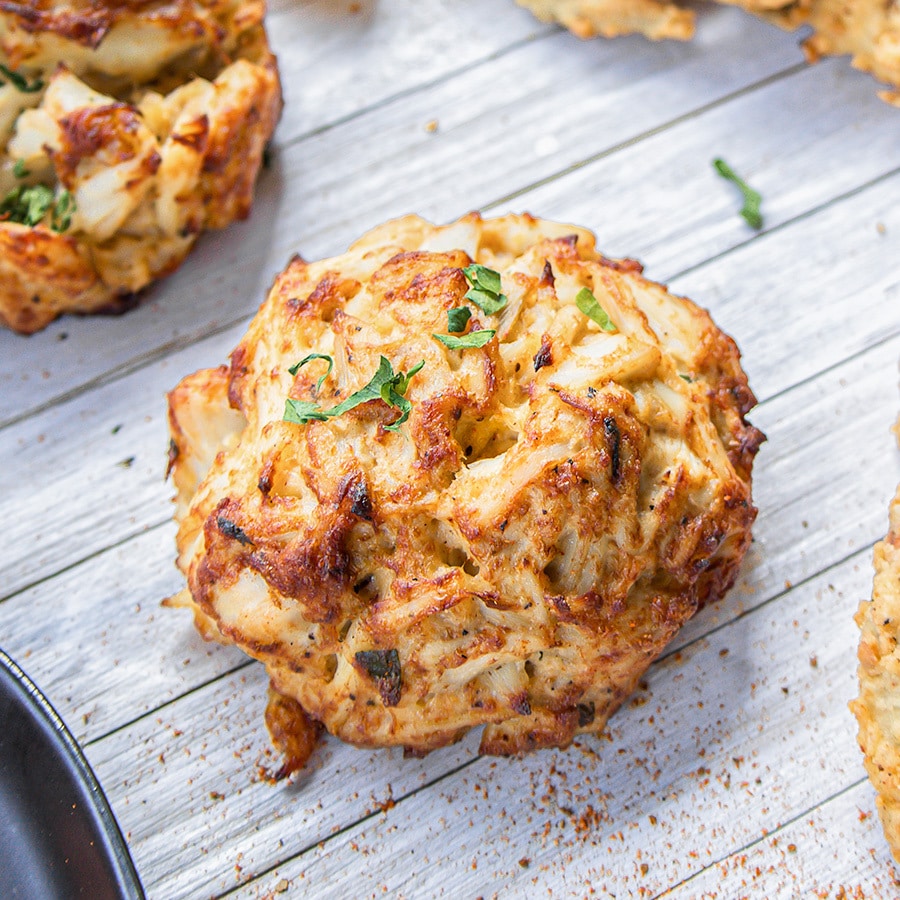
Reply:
x=98, y=642
x=834, y=850
x=91, y=469
x=836, y=293
x=324, y=191
x=186, y=788
x=56, y=626
x=809, y=521
x=670, y=209
x=128, y=656
x=335, y=62
x=717, y=751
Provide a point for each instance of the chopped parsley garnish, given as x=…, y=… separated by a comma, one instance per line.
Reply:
x=19, y=169
x=458, y=318
x=750, y=209
x=588, y=304
x=300, y=412
x=20, y=82
x=485, y=290
x=61, y=218
x=294, y=369
x=386, y=385
x=473, y=339
x=28, y=204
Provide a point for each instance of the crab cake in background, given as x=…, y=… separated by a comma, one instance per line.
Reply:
x=125, y=130
x=866, y=30
x=654, y=19
x=461, y=476
x=877, y=708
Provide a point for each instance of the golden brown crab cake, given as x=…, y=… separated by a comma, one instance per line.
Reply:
x=877, y=708
x=460, y=476
x=867, y=30
x=654, y=19
x=125, y=130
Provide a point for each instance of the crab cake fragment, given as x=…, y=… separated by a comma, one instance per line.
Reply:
x=877, y=708
x=866, y=30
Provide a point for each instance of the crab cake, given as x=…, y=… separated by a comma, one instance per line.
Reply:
x=125, y=130
x=877, y=708
x=461, y=476
x=654, y=19
x=866, y=30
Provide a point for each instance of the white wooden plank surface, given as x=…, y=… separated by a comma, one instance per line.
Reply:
x=731, y=774
x=817, y=854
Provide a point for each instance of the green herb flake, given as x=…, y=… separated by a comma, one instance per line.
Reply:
x=466, y=341
x=29, y=204
x=458, y=318
x=752, y=199
x=385, y=385
x=483, y=277
x=19, y=169
x=588, y=304
x=392, y=392
x=20, y=82
x=485, y=291
x=63, y=211
x=294, y=369
x=302, y=411
x=26, y=205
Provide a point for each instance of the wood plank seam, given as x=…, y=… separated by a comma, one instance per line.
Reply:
x=651, y=132
x=413, y=90
x=860, y=556
x=799, y=217
x=159, y=523
x=783, y=826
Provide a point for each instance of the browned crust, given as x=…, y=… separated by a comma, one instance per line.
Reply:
x=42, y=273
x=233, y=153
x=293, y=733
x=88, y=23
x=86, y=26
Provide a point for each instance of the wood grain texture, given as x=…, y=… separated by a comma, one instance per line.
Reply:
x=815, y=853
x=734, y=771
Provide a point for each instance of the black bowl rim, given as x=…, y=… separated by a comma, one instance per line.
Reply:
x=66, y=748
